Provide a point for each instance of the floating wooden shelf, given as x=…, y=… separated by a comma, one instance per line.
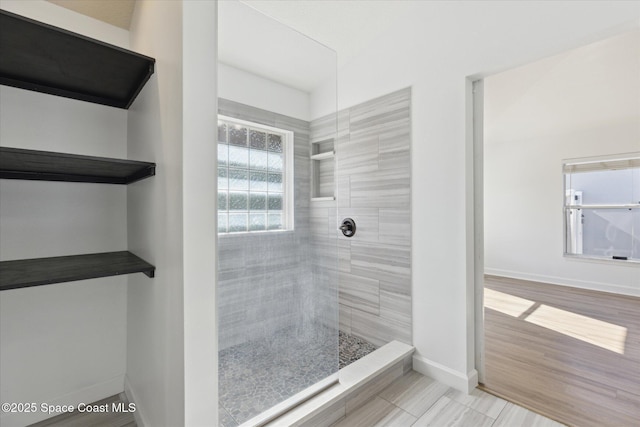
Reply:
x=17, y=163
x=42, y=58
x=323, y=199
x=39, y=57
x=46, y=271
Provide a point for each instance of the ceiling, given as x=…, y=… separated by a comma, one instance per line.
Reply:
x=114, y=12
x=346, y=26
x=251, y=41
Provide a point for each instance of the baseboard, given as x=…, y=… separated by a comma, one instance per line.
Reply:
x=445, y=375
x=85, y=395
x=574, y=283
x=141, y=420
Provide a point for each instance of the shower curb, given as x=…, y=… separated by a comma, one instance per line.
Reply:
x=358, y=382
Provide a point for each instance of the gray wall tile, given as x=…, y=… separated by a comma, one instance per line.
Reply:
x=246, y=112
x=388, y=188
x=373, y=186
x=395, y=306
x=343, y=191
x=359, y=292
x=399, y=285
x=345, y=318
x=380, y=261
x=324, y=179
x=264, y=280
x=366, y=223
x=344, y=255
x=395, y=226
x=395, y=136
x=378, y=330
x=358, y=154
x=380, y=111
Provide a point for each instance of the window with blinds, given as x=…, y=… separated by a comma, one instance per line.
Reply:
x=602, y=207
x=255, y=177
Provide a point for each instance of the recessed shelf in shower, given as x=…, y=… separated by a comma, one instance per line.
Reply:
x=323, y=170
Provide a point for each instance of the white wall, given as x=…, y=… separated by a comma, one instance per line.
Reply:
x=171, y=340
x=63, y=343
x=582, y=103
x=247, y=88
x=49, y=13
x=437, y=47
x=200, y=178
x=155, y=336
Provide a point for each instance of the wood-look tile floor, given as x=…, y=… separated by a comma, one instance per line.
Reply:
x=571, y=354
x=411, y=400
x=416, y=400
x=107, y=419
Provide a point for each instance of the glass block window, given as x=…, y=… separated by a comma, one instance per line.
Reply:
x=255, y=177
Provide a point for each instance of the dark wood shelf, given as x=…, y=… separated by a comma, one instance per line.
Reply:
x=46, y=271
x=43, y=58
x=18, y=163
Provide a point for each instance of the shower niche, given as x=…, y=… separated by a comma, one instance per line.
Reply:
x=323, y=170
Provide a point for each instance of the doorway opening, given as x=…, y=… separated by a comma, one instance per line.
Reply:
x=557, y=332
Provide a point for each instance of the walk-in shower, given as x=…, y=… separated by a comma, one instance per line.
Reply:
x=278, y=308
x=289, y=220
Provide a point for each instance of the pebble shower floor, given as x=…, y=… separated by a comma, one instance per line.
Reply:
x=258, y=375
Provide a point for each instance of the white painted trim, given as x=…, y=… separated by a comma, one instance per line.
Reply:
x=458, y=380
x=472, y=380
x=288, y=180
x=85, y=395
x=478, y=225
x=562, y=281
x=141, y=420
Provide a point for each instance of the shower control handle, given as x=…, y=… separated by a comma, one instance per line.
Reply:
x=348, y=227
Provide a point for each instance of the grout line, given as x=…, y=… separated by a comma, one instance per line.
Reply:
x=517, y=403
x=387, y=400
x=228, y=413
x=501, y=411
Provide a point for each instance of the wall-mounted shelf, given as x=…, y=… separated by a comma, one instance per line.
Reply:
x=323, y=199
x=323, y=156
x=39, y=57
x=46, y=271
x=42, y=58
x=17, y=163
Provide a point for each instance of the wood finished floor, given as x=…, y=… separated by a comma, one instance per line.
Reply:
x=77, y=419
x=416, y=400
x=571, y=354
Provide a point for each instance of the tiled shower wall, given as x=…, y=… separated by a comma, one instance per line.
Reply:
x=264, y=280
x=373, y=178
